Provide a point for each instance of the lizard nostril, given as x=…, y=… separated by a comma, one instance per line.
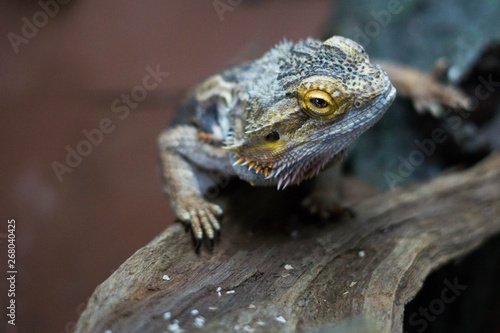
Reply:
x=273, y=136
x=357, y=103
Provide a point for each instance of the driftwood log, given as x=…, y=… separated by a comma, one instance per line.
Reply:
x=276, y=269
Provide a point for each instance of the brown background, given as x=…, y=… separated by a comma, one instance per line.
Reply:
x=72, y=234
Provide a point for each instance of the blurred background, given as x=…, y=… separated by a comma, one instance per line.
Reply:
x=74, y=71
x=72, y=234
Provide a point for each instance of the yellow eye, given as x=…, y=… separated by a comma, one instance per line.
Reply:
x=318, y=104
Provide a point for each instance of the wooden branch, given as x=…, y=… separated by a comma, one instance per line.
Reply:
x=367, y=267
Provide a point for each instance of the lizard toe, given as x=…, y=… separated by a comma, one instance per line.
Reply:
x=216, y=209
x=326, y=209
x=196, y=224
x=206, y=222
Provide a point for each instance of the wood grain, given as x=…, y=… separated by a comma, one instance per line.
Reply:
x=357, y=272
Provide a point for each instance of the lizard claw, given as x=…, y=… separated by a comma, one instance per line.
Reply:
x=197, y=244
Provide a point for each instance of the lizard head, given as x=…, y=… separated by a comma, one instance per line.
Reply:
x=310, y=101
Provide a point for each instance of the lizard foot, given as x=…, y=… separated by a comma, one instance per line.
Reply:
x=202, y=218
x=432, y=96
x=326, y=206
x=424, y=89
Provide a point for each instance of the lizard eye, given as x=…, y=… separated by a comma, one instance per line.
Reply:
x=273, y=136
x=318, y=103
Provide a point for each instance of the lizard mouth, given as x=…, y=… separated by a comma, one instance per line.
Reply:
x=265, y=169
x=284, y=173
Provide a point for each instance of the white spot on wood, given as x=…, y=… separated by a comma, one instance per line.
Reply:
x=280, y=319
x=175, y=328
x=199, y=322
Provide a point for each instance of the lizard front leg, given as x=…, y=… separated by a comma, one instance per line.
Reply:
x=325, y=197
x=182, y=156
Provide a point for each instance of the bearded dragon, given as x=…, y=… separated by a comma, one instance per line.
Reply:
x=276, y=121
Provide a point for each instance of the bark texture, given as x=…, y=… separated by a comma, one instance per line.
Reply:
x=278, y=269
